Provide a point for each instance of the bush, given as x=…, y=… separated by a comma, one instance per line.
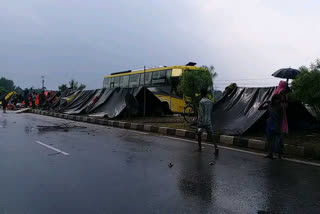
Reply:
x=306, y=87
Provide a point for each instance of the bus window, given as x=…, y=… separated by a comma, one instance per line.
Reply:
x=121, y=82
x=147, y=80
x=176, y=72
x=168, y=77
x=111, y=82
x=124, y=81
x=134, y=80
x=159, y=77
x=106, y=82
x=116, y=82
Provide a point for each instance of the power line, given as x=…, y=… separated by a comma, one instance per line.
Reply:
x=261, y=79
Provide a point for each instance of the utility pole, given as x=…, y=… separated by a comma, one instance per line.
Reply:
x=42, y=77
x=144, y=91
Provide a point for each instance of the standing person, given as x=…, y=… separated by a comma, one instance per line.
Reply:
x=274, y=122
x=42, y=99
x=33, y=99
x=29, y=101
x=204, y=120
x=26, y=97
x=283, y=90
x=4, y=104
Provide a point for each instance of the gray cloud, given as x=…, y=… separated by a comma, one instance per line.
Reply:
x=86, y=40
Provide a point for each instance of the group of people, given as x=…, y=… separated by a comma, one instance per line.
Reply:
x=27, y=100
x=276, y=127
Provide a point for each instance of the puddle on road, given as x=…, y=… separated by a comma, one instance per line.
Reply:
x=42, y=129
x=3, y=123
x=64, y=127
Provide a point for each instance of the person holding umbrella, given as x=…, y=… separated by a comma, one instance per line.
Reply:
x=283, y=90
x=286, y=73
x=273, y=128
x=277, y=123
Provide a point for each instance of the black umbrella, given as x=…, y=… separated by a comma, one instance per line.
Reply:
x=286, y=73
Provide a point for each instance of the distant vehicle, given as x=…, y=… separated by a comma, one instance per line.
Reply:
x=161, y=81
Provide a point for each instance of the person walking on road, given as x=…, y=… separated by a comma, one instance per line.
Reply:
x=4, y=104
x=204, y=120
x=274, y=123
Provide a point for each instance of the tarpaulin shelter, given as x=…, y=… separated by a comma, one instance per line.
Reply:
x=238, y=111
x=80, y=102
x=60, y=101
x=127, y=101
x=114, y=104
x=110, y=102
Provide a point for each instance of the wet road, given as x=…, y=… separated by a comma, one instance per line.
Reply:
x=109, y=170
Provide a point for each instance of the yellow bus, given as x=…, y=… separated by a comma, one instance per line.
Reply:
x=161, y=81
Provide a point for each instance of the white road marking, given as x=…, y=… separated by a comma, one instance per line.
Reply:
x=50, y=147
x=301, y=161
x=145, y=133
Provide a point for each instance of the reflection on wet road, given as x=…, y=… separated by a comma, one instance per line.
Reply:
x=112, y=170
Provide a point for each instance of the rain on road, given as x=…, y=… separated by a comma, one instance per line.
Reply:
x=95, y=169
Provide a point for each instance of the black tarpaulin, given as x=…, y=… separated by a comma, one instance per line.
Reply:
x=154, y=106
x=94, y=100
x=59, y=101
x=129, y=102
x=102, y=99
x=80, y=102
x=114, y=104
x=237, y=112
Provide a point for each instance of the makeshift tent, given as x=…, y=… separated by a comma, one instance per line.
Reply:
x=81, y=102
x=110, y=102
x=114, y=102
x=103, y=98
x=237, y=111
x=61, y=101
x=50, y=98
x=96, y=98
x=9, y=95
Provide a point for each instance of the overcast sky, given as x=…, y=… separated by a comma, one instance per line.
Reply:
x=85, y=40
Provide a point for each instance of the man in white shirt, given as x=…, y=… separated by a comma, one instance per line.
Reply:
x=204, y=120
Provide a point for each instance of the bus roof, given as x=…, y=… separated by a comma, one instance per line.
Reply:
x=151, y=70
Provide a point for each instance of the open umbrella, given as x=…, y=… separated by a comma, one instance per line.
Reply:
x=286, y=73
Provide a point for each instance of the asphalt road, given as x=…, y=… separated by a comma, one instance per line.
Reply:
x=97, y=169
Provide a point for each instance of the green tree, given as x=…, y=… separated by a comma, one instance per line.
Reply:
x=193, y=81
x=63, y=87
x=81, y=87
x=7, y=84
x=3, y=91
x=73, y=85
x=306, y=87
